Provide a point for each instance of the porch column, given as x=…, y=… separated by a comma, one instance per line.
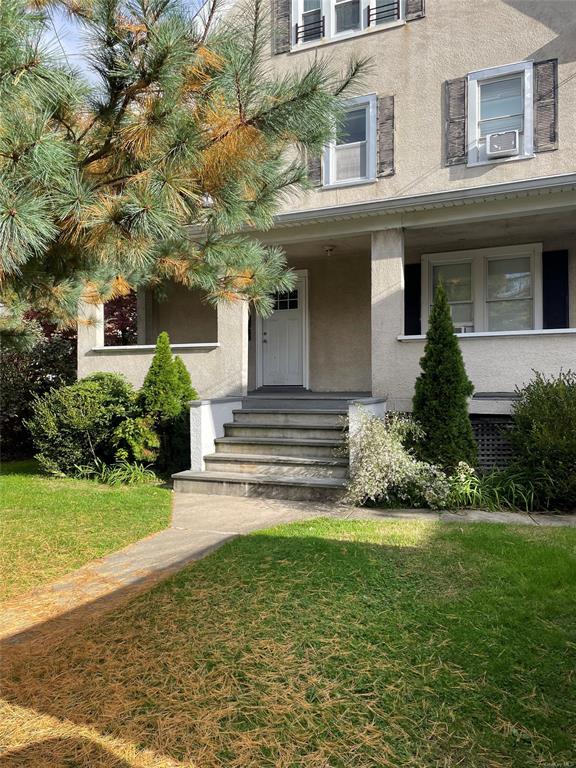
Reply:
x=90, y=333
x=233, y=342
x=387, y=311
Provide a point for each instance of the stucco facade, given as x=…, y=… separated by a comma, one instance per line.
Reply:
x=357, y=242
x=412, y=61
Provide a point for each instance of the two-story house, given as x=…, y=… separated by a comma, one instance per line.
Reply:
x=457, y=163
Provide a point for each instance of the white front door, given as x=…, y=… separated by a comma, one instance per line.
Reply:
x=283, y=339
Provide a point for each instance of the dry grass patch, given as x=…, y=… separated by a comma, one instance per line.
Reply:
x=322, y=644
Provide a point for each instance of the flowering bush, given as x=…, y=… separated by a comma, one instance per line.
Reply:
x=384, y=469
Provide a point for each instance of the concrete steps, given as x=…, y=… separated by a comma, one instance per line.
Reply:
x=312, y=431
x=277, y=446
x=285, y=466
x=331, y=417
x=260, y=486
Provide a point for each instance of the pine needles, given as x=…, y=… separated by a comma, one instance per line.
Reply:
x=101, y=182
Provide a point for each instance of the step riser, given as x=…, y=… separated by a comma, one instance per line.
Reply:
x=255, y=490
x=294, y=404
x=278, y=470
x=287, y=433
x=277, y=449
x=286, y=418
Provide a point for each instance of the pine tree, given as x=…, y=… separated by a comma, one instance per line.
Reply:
x=184, y=127
x=186, y=391
x=160, y=393
x=441, y=395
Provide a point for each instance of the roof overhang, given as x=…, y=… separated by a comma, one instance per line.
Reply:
x=468, y=196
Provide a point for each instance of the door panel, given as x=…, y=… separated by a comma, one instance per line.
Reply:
x=282, y=341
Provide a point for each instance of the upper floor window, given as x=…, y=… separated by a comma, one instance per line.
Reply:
x=491, y=289
x=335, y=19
x=351, y=157
x=500, y=114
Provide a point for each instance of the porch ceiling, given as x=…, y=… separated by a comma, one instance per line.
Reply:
x=546, y=228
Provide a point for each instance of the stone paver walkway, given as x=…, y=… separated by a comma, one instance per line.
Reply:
x=200, y=524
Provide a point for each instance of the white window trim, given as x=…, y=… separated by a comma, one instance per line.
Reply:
x=330, y=35
x=328, y=160
x=479, y=259
x=474, y=79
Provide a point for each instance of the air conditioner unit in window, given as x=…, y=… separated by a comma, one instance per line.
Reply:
x=503, y=144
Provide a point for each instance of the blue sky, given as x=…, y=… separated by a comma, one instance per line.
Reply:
x=67, y=37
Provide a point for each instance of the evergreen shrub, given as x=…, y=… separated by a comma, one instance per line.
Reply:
x=440, y=404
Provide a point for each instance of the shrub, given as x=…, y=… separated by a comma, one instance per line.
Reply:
x=135, y=439
x=543, y=438
x=441, y=395
x=27, y=373
x=160, y=393
x=385, y=471
x=165, y=396
x=74, y=425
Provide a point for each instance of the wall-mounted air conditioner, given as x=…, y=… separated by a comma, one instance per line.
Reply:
x=503, y=144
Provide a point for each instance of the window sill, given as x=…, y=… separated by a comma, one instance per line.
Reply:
x=300, y=47
x=499, y=334
x=145, y=348
x=351, y=183
x=500, y=160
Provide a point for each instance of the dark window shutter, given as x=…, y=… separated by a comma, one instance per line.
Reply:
x=555, y=289
x=386, y=136
x=414, y=9
x=314, y=170
x=281, y=25
x=455, y=96
x=412, y=290
x=546, y=105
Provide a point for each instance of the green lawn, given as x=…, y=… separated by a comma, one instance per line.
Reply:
x=320, y=644
x=51, y=525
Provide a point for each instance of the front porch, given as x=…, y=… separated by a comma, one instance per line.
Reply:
x=362, y=317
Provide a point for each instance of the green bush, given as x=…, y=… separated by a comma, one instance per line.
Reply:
x=160, y=393
x=135, y=439
x=543, y=438
x=165, y=397
x=74, y=425
x=441, y=395
x=385, y=471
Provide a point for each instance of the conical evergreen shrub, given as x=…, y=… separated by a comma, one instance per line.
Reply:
x=165, y=395
x=161, y=389
x=440, y=403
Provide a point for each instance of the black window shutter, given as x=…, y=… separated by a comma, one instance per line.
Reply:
x=386, y=136
x=414, y=9
x=455, y=97
x=546, y=105
x=314, y=170
x=281, y=23
x=412, y=290
x=555, y=289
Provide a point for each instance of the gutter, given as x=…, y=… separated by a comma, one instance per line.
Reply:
x=464, y=196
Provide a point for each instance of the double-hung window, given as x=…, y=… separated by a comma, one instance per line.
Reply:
x=500, y=114
x=488, y=290
x=316, y=20
x=351, y=157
